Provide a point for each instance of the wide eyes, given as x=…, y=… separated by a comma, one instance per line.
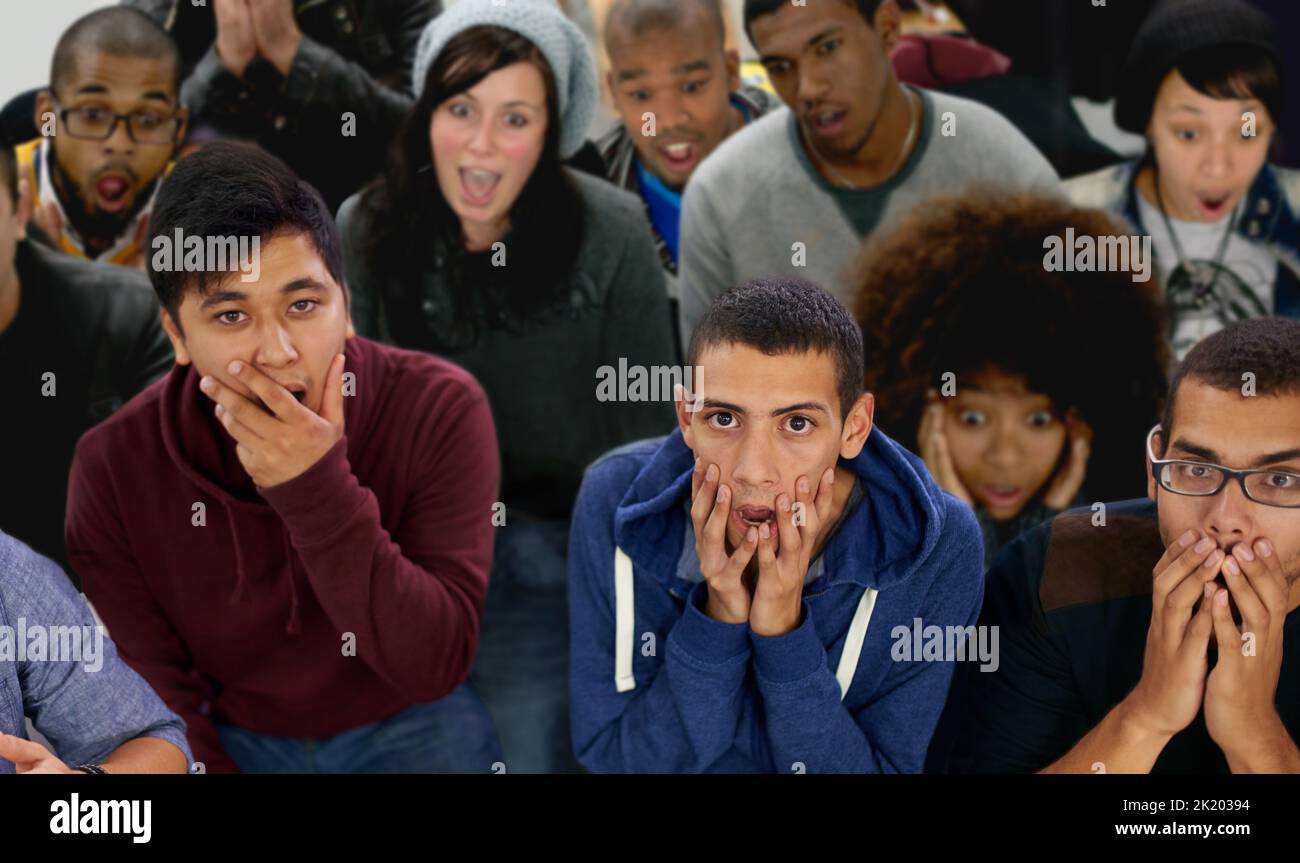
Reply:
x=973, y=418
x=796, y=424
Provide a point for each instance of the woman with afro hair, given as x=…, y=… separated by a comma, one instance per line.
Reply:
x=1027, y=389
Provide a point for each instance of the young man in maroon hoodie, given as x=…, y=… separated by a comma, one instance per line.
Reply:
x=289, y=536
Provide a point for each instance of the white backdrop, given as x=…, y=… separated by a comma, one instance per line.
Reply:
x=28, y=31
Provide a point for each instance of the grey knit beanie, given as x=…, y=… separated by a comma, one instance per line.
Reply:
x=543, y=24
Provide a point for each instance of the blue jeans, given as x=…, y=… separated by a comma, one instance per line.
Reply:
x=451, y=735
x=522, y=669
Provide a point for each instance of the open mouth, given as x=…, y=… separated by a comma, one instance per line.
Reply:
x=753, y=516
x=1213, y=206
x=478, y=186
x=827, y=122
x=111, y=192
x=1003, y=495
x=679, y=157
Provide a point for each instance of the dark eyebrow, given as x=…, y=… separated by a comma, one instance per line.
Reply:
x=1274, y=458
x=1210, y=455
x=827, y=33
x=629, y=74
x=724, y=406
x=737, y=409
x=802, y=406
x=100, y=89
x=700, y=65
x=1186, y=107
x=304, y=284
x=222, y=297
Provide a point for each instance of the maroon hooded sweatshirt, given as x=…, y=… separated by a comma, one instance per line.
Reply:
x=238, y=609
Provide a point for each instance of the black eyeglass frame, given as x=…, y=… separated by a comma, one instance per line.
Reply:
x=63, y=111
x=1157, y=465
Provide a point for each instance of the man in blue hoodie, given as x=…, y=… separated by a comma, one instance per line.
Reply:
x=722, y=580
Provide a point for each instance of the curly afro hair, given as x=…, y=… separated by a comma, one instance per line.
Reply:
x=959, y=285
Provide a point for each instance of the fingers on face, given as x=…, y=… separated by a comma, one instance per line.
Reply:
x=1263, y=572
x=1225, y=631
x=1198, y=631
x=1185, y=562
x=275, y=397
x=744, y=553
x=705, y=497
x=236, y=406
x=240, y=431
x=786, y=514
x=715, y=529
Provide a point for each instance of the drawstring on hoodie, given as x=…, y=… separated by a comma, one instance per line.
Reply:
x=293, y=627
x=240, y=577
x=625, y=630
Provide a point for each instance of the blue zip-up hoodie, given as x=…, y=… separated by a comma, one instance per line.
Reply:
x=656, y=685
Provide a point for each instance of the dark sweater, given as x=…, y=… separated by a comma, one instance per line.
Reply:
x=1073, y=601
x=94, y=328
x=243, y=618
x=541, y=375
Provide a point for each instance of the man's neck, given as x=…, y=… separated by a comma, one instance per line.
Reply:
x=10, y=296
x=882, y=153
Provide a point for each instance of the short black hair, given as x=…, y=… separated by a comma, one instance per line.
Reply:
x=638, y=17
x=1234, y=72
x=759, y=8
x=786, y=315
x=9, y=169
x=119, y=31
x=235, y=189
x=1268, y=348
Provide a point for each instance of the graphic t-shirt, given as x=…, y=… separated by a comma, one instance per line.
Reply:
x=1238, y=286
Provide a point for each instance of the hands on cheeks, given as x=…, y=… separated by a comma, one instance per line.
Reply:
x=1240, y=711
x=774, y=607
x=1069, y=479
x=933, y=443
x=281, y=445
x=1238, y=696
x=29, y=756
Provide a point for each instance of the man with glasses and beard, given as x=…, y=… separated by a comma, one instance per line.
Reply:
x=1161, y=635
x=110, y=124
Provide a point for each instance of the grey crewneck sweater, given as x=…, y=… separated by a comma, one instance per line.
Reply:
x=757, y=195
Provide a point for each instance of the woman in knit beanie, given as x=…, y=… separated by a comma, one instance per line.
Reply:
x=479, y=245
x=1203, y=84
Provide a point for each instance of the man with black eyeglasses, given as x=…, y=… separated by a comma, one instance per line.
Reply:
x=110, y=124
x=1160, y=635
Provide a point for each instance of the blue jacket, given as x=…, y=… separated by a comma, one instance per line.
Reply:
x=1270, y=217
x=658, y=686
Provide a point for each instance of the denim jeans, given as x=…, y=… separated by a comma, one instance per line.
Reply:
x=522, y=669
x=451, y=735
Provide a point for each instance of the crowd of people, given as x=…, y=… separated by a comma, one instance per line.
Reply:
x=304, y=310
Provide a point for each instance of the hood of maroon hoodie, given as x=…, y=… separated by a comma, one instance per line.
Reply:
x=204, y=452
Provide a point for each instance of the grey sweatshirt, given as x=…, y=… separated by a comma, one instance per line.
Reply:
x=757, y=195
